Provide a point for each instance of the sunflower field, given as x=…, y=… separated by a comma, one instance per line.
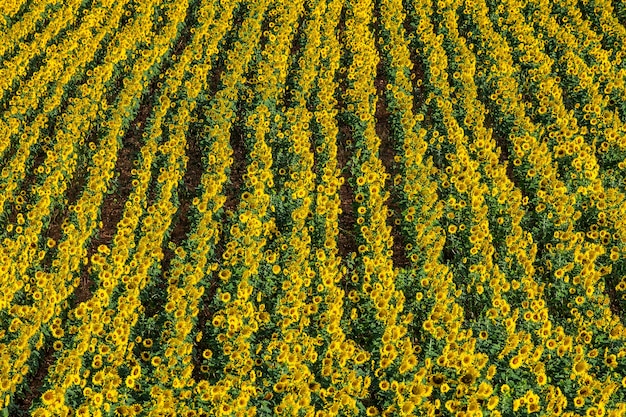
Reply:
x=312, y=208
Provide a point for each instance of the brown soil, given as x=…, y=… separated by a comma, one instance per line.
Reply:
x=346, y=240
x=347, y=219
x=504, y=151
x=23, y=403
x=205, y=315
x=237, y=169
x=112, y=208
x=191, y=181
x=614, y=299
x=387, y=155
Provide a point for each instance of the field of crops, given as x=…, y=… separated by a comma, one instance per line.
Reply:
x=312, y=208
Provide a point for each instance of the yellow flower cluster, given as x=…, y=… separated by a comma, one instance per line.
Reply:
x=185, y=284
x=50, y=297
x=502, y=123
x=296, y=347
x=338, y=353
x=60, y=161
x=97, y=314
x=563, y=219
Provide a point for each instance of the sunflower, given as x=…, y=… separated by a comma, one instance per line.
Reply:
x=579, y=401
x=225, y=297
x=580, y=368
x=437, y=379
x=515, y=362
x=468, y=378
x=407, y=408
x=48, y=397
x=542, y=379
x=493, y=402
x=372, y=411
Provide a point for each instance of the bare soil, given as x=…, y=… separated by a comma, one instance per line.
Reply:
x=387, y=154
